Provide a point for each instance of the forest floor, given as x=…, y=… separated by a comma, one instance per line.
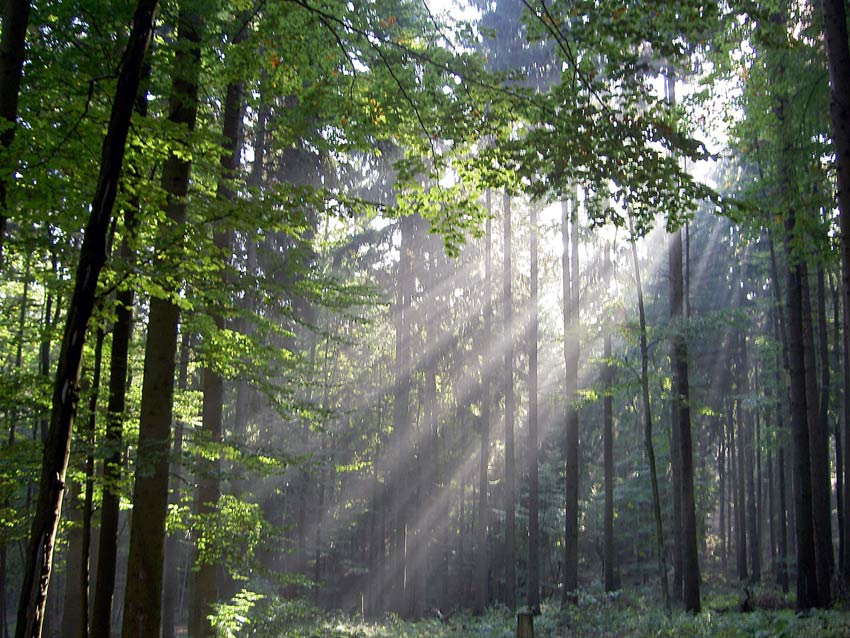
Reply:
x=626, y=614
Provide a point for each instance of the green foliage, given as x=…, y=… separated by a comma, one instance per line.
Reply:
x=229, y=535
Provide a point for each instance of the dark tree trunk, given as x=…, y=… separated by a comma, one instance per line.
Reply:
x=838, y=57
x=143, y=598
x=807, y=584
x=608, y=458
x=690, y=558
x=839, y=450
x=92, y=257
x=746, y=445
x=88, y=498
x=206, y=575
x=16, y=15
x=533, y=483
x=647, y=428
x=510, y=459
x=570, y=269
x=819, y=451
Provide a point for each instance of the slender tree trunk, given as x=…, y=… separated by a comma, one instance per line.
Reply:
x=482, y=560
x=173, y=551
x=839, y=450
x=608, y=453
x=209, y=490
x=143, y=598
x=750, y=514
x=647, y=429
x=722, y=488
x=690, y=559
x=838, y=58
x=401, y=415
x=570, y=265
x=533, y=461
x=88, y=499
x=845, y=417
x=92, y=257
x=16, y=15
x=807, y=584
x=510, y=459
x=819, y=452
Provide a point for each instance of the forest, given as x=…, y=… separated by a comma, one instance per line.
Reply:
x=445, y=318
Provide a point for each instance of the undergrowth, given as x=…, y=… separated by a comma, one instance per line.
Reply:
x=626, y=614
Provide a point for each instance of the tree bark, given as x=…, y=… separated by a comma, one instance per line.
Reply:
x=690, y=559
x=510, y=460
x=482, y=560
x=533, y=443
x=143, y=598
x=570, y=266
x=819, y=451
x=92, y=257
x=206, y=575
x=647, y=428
x=12, y=50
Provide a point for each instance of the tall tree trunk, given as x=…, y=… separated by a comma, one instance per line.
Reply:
x=690, y=559
x=819, y=451
x=143, y=597
x=401, y=417
x=750, y=515
x=845, y=417
x=92, y=257
x=173, y=551
x=206, y=575
x=88, y=499
x=839, y=450
x=16, y=15
x=533, y=484
x=608, y=447
x=570, y=265
x=510, y=460
x=482, y=560
x=807, y=584
x=723, y=489
x=647, y=427
x=838, y=57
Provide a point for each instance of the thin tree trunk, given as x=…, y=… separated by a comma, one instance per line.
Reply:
x=482, y=561
x=173, y=554
x=88, y=499
x=750, y=515
x=12, y=50
x=807, y=583
x=209, y=490
x=647, y=429
x=533, y=461
x=510, y=460
x=92, y=257
x=690, y=560
x=143, y=598
x=819, y=451
x=608, y=455
x=570, y=265
x=839, y=450
x=838, y=58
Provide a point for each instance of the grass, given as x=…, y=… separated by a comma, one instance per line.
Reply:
x=627, y=614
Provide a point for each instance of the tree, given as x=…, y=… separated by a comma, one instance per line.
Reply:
x=533, y=462
x=143, y=597
x=508, y=381
x=92, y=257
x=16, y=15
